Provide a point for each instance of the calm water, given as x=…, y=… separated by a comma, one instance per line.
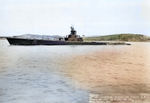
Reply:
x=68, y=74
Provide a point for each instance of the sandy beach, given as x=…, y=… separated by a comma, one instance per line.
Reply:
x=112, y=70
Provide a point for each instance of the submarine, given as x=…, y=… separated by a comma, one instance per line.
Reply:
x=71, y=39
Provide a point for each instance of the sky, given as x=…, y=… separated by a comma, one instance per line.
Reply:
x=89, y=17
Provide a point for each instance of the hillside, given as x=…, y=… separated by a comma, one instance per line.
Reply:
x=120, y=37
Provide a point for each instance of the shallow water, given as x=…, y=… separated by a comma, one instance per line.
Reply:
x=69, y=74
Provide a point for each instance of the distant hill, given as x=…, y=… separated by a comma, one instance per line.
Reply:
x=2, y=37
x=120, y=37
x=33, y=36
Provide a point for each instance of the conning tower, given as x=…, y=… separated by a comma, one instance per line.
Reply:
x=72, y=36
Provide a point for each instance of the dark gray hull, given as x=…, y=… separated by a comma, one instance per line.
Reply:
x=22, y=41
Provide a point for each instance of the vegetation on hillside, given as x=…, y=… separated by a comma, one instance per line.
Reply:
x=120, y=37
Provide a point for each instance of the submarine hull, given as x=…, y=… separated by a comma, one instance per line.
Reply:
x=23, y=41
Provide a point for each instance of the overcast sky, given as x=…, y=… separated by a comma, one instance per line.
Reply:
x=89, y=17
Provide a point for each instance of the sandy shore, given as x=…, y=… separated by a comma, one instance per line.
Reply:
x=112, y=70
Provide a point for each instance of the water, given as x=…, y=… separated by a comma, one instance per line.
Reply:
x=69, y=74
